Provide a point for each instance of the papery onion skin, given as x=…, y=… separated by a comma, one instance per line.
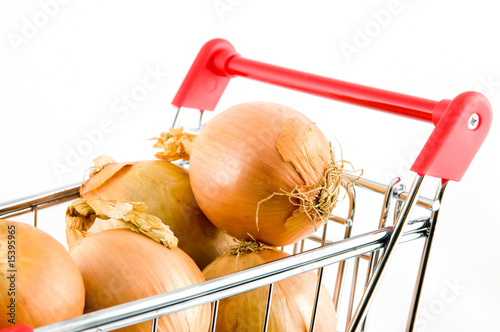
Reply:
x=166, y=190
x=235, y=166
x=48, y=285
x=120, y=266
x=292, y=298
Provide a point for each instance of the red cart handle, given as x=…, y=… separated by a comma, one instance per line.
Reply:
x=461, y=124
x=18, y=328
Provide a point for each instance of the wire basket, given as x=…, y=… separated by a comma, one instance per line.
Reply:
x=353, y=265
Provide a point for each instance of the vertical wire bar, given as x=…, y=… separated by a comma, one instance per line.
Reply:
x=176, y=118
x=400, y=224
x=342, y=265
x=423, y=263
x=316, y=300
x=200, y=119
x=338, y=285
x=384, y=214
x=353, y=289
x=213, y=322
x=320, y=281
x=302, y=244
x=268, y=307
x=374, y=258
x=323, y=238
x=154, y=326
x=382, y=223
x=35, y=216
x=397, y=210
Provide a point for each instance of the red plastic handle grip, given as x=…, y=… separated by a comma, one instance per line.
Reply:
x=462, y=124
x=395, y=103
x=218, y=61
x=446, y=155
x=18, y=328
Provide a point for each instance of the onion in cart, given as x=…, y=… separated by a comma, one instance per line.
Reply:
x=292, y=299
x=39, y=282
x=265, y=171
x=166, y=190
x=123, y=265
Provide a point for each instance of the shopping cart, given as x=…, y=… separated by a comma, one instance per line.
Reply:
x=460, y=126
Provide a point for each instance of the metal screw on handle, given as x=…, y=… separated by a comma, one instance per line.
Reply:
x=473, y=121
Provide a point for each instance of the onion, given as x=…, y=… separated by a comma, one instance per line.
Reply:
x=120, y=265
x=264, y=171
x=166, y=190
x=292, y=299
x=39, y=282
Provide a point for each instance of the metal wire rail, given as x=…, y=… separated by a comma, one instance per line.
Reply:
x=364, y=246
x=216, y=289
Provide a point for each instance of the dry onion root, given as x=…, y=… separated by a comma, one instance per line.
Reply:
x=292, y=299
x=266, y=170
x=166, y=190
x=39, y=282
x=123, y=265
x=175, y=145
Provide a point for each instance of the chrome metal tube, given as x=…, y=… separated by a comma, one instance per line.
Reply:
x=342, y=271
x=427, y=203
x=268, y=307
x=415, y=228
x=399, y=227
x=353, y=288
x=325, y=232
x=295, y=248
x=382, y=223
x=384, y=215
x=35, y=216
x=176, y=118
x=302, y=245
x=316, y=299
x=365, y=183
x=338, y=219
x=154, y=325
x=423, y=263
x=52, y=197
x=213, y=322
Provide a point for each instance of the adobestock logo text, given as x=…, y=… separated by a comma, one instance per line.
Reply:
x=32, y=25
x=222, y=7
x=364, y=34
x=122, y=107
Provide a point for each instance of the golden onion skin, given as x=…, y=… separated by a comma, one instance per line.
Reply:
x=235, y=165
x=165, y=189
x=120, y=266
x=48, y=286
x=292, y=299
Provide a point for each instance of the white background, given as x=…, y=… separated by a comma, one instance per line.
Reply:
x=64, y=67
